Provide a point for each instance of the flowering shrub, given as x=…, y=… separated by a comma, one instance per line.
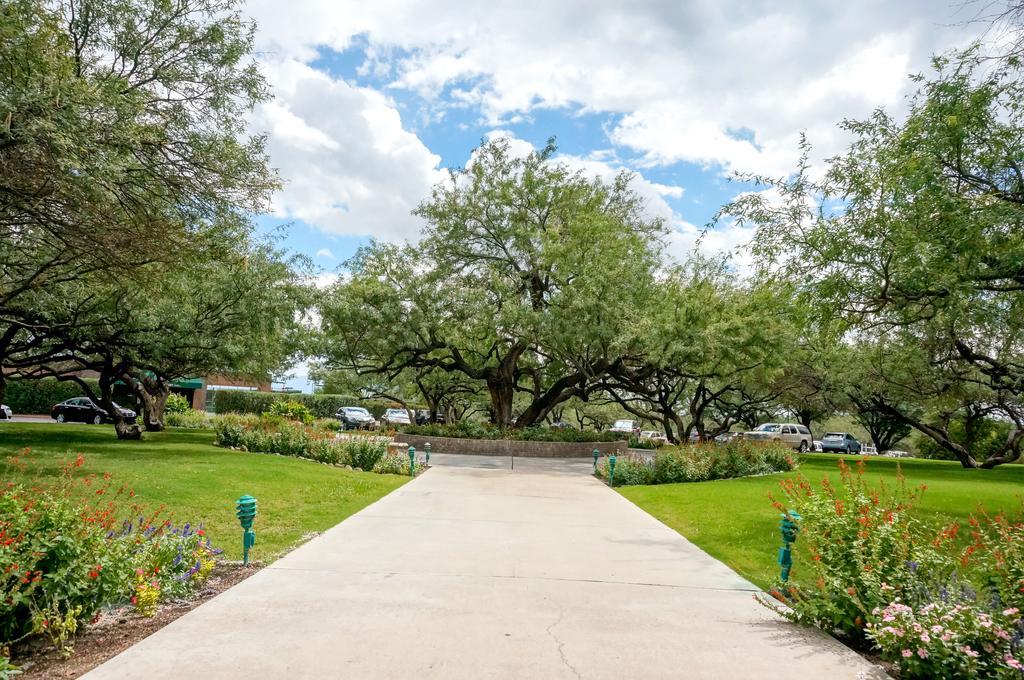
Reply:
x=857, y=548
x=147, y=594
x=943, y=603
x=701, y=462
x=943, y=639
x=65, y=554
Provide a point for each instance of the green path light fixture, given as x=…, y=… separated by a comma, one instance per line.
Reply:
x=245, y=511
x=597, y=454
x=611, y=469
x=426, y=447
x=789, y=527
x=412, y=461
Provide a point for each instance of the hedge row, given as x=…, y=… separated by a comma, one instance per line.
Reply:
x=320, y=405
x=38, y=396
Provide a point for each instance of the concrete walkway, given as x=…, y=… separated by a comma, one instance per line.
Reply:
x=476, y=571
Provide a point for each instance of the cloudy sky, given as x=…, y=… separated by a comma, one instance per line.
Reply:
x=374, y=99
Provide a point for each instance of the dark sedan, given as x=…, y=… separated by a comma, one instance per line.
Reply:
x=839, y=442
x=355, y=418
x=84, y=410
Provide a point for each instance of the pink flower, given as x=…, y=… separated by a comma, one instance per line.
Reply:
x=1010, y=612
x=1013, y=663
x=970, y=652
x=923, y=653
x=925, y=638
x=907, y=654
x=140, y=572
x=937, y=629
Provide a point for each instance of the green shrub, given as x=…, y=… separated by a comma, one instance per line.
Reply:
x=630, y=470
x=176, y=403
x=392, y=463
x=701, y=463
x=288, y=438
x=292, y=410
x=364, y=453
x=193, y=420
x=62, y=558
x=474, y=430
x=320, y=405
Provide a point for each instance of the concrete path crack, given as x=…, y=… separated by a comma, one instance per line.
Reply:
x=561, y=645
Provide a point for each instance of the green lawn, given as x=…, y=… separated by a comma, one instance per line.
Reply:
x=199, y=482
x=734, y=521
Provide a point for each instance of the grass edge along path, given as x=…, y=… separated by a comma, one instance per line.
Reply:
x=733, y=521
x=198, y=482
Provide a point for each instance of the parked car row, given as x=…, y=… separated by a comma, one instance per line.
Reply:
x=358, y=418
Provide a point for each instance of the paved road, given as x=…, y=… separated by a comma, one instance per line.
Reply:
x=477, y=571
x=29, y=419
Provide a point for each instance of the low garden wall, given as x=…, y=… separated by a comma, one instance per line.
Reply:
x=507, y=447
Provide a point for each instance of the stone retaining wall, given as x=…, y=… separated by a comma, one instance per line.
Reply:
x=506, y=447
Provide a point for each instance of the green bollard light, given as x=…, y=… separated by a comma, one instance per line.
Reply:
x=412, y=461
x=789, y=527
x=427, y=448
x=611, y=469
x=597, y=454
x=245, y=511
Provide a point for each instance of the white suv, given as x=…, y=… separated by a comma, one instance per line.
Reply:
x=797, y=436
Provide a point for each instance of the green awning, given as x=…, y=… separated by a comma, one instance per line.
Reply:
x=188, y=384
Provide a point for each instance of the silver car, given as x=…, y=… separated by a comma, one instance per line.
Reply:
x=5, y=412
x=797, y=436
x=396, y=416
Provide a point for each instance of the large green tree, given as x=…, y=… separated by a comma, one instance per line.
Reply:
x=526, y=275
x=914, y=240
x=122, y=145
x=706, y=348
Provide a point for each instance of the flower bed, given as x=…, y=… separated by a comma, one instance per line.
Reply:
x=941, y=602
x=286, y=438
x=66, y=552
x=701, y=463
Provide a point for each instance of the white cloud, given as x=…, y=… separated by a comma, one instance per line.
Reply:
x=348, y=164
x=325, y=253
x=727, y=86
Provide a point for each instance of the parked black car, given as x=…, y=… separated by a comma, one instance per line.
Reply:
x=84, y=410
x=839, y=442
x=355, y=418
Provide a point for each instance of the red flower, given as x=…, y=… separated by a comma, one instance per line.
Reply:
x=200, y=533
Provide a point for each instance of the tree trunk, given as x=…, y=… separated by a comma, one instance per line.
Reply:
x=126, y=430
x=153, y=407
x=938, y=434
x=501, y=392
x=122, y=427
